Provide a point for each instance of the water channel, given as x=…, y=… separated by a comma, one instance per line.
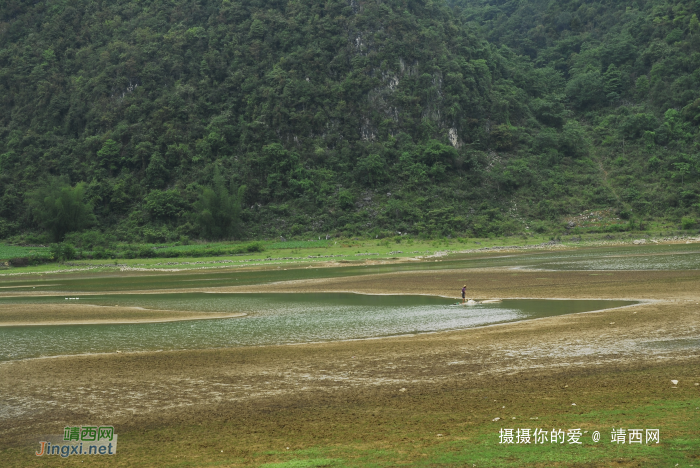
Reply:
x=272, y=319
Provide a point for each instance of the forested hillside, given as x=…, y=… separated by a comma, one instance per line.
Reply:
x=157, y=120
x=632, y=72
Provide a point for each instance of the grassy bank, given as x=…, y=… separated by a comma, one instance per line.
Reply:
x=257, y=253
x=43, y=259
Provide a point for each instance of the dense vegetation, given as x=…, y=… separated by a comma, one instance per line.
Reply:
x=157, y=120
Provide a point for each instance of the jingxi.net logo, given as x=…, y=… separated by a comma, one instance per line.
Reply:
x=81, y=440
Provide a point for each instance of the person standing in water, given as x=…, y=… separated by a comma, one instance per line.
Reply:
x=464, y=293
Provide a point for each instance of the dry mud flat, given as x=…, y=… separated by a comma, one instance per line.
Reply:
x=384, y=389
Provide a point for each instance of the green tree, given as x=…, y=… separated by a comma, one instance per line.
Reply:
x=549, y=111
x=641, y=87
x=501, y=137
x=108, y=155
x=59, y=208
x=585, y=89
x=370, y=169
x=218, y=210
x=436, y=152
x=634, y=126
x=156, y=172
x=345, y=200
x=694, y=25
x=257, y=29
x=62, y=252
x=612, y=83
x=692, y=111
x=164, y=205
x=682, y=169
x=573, y=139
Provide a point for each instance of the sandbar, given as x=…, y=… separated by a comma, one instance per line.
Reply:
x=13, y=315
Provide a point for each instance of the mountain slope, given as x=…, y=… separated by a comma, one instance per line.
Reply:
x=633, y=78
x=350, y=117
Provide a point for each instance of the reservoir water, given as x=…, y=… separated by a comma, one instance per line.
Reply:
x=272, y=319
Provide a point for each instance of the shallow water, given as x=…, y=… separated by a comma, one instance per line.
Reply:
x=618, y=261
x=676, y=344
x=647, y=257
x=272, y=319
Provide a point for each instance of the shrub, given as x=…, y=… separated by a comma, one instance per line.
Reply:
x=688, y=223
x=101, y=253
x=164, y=204
x=585, y=89
x=61, y=252
x=129, y=253
x=371, y=170
x=346, y=200
x=539, y=227
x=146, y=252
x=255, y=247
x=87, y=239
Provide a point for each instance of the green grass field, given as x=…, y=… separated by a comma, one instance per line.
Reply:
x=14, y=251
x=301, y=244
x=215, y=254
x=291, y=252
